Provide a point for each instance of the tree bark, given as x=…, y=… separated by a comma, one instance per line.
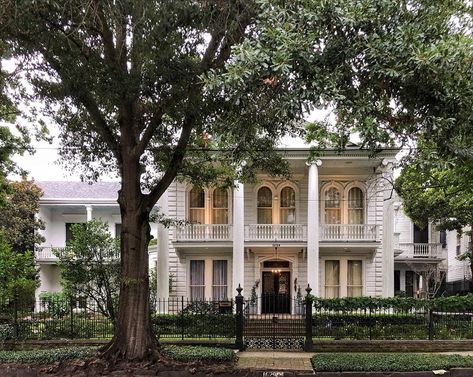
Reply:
x=133, y=338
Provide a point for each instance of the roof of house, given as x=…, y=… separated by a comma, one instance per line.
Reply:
x=79, y=190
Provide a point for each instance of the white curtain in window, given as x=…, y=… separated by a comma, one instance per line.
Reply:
x=332, y=278
x=219, y=280
x=265, y=206
x=355, y=206
x=220, y=207
x=355, y=278
x=288, y=206
x=332, y=206
x=197, y=206
x=197, y=279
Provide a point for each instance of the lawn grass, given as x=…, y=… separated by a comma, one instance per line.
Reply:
x=198, y=353
x=382, y=362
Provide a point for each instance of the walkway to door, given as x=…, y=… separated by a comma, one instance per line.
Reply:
x=295, y=361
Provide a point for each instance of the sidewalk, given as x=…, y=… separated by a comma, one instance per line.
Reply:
x=281, y=361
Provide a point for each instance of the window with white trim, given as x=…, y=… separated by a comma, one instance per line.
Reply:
x=333, y=211
x=265, y=205
x=287, y=206
x=220, y=206
x=355, y=206
x=197, y=279
x=197, y=206
x=343, y=277
x=219, y=279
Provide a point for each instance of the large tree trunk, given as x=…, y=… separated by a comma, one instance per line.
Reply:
x=133, y=337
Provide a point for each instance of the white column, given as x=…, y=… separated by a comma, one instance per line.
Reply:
x=89, y=212
x=313, y=228
x=163, y=252
x=388, y=236
x=238, y=238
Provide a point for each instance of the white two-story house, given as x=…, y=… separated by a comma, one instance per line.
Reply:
x=335, y=225
x=331, y=226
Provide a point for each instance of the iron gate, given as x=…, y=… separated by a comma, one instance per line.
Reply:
x=274, y=321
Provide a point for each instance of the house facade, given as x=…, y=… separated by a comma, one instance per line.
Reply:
x=335, y=225
x=332, y=226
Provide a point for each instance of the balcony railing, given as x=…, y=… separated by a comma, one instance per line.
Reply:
x=204, y=232
x=348, y=232
x=46, y=253
x=420, y=250
x=276, y=232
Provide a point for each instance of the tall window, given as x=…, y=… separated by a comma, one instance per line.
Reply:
x=219, y=280
x=355, y=206
x=288, y=206
x=265, y=206
x=197, y=279
x=220, y=207
x=197, y=206
x=354, y=278
x=332, y=206
x=332, y=278
x=118, y=230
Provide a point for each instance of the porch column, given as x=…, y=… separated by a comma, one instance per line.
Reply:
x=238, y=238
x=163, y=252
x=388, y=233
x=313, y=227
x=89, y=212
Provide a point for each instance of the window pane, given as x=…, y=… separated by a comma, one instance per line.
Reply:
x=265, y=216
x=288, y=216
x=332, y=216
x=197, y=198
x=197, y=215
x=332, y=278
x=220, y=198
x=355, y=216
x=219, y=279
x=355, y=278
x=265, y=197
x=118, y=230
x=355, y=198
x=197, y=279
x=288, y=197
x=332, y=198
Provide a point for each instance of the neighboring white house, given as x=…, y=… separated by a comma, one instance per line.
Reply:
x=335, y=225
x=66, y=203
x=459, y=272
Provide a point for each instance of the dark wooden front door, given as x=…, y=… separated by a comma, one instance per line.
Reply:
x=276, y=292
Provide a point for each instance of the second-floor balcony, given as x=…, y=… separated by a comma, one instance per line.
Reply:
x=419, y=250
x=47, y=253
x=277, y=232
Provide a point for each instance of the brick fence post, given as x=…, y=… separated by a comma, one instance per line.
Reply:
x=239, y=319
x=308, y=346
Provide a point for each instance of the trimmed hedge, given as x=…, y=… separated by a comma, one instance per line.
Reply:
x=46, y=356
x=397, y=362
x=198, y=353
x=451, y=303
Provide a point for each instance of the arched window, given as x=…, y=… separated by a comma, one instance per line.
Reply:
x=220, y=206
x=265, y=206
x=355, y=206
x=288, y=206
x=197, y=206
x=333, y=213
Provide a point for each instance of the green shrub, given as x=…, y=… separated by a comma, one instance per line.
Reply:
x=46, y=356
x=55, y=304
x=380, y=362
x=198, y=353
x=6, y=332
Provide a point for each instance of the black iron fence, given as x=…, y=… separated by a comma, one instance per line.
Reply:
x=63, y=317
x=279, y=318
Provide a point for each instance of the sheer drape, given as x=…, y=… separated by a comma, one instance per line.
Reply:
x=219, y=280
x=355, y=278
x=220, y=207
x=197, y=279
x=197, y=206
x=288, y=206
x=332, y=278
x=355, y=206
x=265, y=206
x=332, y=206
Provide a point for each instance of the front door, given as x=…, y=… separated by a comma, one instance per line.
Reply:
x=276, y=292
